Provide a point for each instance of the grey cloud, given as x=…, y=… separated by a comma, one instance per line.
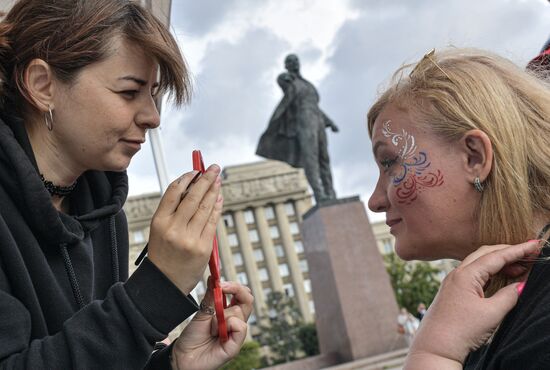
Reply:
x=233, y=92
x=198, y=17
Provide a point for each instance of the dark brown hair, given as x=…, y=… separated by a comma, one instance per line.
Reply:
x=72, y=34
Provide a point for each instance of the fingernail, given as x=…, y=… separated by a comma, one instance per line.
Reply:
x=520, y=287
x=214, y=168
x=540, y=244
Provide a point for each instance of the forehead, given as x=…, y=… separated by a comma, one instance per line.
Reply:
x=125, y=58
x=393, y=121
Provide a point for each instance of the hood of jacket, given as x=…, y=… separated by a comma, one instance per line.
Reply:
x=98, y=195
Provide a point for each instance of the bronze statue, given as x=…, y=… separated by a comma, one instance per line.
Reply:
x=296, y=131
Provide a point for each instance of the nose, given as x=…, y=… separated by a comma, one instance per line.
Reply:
x=378, y=201
x=148, y=116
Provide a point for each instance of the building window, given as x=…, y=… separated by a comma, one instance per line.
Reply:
x=139, y=237
x=289, y=209
x=228, y=220
x=303, y=266
x=249, y=216
x=307, y=286
x=283, y=270
x=311, y=307
x=294, y=229
x=252, y=319
x=267, y=291
x=269, y=213
x=279, y=251
x=289, y=290
x=258, y=255
x=199, y=289
x=264, y=276
x=253, y=235
x=298, y=246
x=237, y=259
x=274, y=231
x=232, y=240
x=243, y=279
x=388, y=247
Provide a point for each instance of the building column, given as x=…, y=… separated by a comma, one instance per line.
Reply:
x=292, y=261
x=267, y=248
x=249, y=263
x=226, y=258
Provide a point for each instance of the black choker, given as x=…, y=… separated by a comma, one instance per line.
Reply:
x=56, y=189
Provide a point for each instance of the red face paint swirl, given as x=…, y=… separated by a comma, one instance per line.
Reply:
x=409, y=189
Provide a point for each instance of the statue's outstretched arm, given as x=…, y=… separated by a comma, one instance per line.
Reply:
x=330, y=123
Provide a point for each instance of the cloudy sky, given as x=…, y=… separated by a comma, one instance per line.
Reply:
x=347, y=48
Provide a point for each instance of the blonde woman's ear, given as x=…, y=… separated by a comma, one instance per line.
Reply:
x=478, y=154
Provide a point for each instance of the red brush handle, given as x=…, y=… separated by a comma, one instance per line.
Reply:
x=214, y=266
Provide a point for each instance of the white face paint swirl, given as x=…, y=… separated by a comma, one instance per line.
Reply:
x=404, y=139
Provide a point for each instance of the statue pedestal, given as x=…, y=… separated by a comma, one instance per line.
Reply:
x=355, y=307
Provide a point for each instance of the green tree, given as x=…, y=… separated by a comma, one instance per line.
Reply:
x=280, y=327
x=307, y=333
x=247, y=359
x=412, y=282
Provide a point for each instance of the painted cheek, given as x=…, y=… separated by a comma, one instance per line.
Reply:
x=414, y=174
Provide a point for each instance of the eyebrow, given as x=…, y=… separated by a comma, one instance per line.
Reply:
x=377, y=146
x=137, y=80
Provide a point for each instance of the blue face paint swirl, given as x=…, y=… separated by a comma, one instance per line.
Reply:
x=416, y=165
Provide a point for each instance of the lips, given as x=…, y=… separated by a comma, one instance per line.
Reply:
x=133, y=143
x=393, y=221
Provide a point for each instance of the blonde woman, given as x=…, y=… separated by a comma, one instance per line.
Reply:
x=461, y=141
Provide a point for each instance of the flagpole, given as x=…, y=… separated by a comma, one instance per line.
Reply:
x=161, y=9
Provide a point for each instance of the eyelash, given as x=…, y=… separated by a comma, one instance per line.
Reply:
x=132, y=93
x=388, y=163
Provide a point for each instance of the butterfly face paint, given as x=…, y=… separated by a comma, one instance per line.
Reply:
x=413, y=174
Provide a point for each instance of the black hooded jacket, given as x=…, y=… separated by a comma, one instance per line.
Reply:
x=64, y=299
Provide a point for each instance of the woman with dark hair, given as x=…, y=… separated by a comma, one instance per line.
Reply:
x=78, y=83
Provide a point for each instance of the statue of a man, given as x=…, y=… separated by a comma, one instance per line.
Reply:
x=296, y=132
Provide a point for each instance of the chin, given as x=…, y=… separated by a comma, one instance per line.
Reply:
x=409, y=251
x=404, y=253
x=116, y=166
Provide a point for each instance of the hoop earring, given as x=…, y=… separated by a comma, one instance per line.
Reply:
x=49, y=120
x=478, y=185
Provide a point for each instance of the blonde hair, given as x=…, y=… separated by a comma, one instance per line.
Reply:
x=458, y=90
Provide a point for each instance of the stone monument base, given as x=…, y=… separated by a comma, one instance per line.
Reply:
x=355, y=307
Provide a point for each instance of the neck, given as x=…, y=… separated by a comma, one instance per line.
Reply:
x=52, y=163
x=295, y=73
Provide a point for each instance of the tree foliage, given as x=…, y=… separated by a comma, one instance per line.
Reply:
x=412, y=282
x=307, y=333
x=280, y=328
x=247, y=359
